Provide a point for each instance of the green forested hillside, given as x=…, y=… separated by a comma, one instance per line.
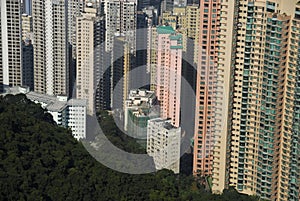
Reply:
x=41, y=161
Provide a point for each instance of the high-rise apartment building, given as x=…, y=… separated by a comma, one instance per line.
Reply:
x=190, y=20
x=257, y=147
x=27, y=27
x=164, y=63
x=120, y=41
x=152, y=15
x=163, y=144
x=75, y=8
x=90, y=35
x=51, y=52
x=140, y=69
x=180, y=3
x=170, y=19
x=10, y=43
x=206, y=49
x=121, y=19
x=223, y=98
x=123, y=61
x=152, y=56
x=186, y=21
x=168, y=73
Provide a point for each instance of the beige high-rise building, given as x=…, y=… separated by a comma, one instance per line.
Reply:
x=10, y=43
x=75, y=7
x=170, y=19
x=257, y=106
x=190, y=20
x=38, y=14
x=51, y=53
x=223, y=99
x=27, y=28
x=85, y=81
x=90, y=33
x=186, y=21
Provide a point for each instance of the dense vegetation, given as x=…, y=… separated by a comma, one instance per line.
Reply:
x=116, y=136
x=41, y=161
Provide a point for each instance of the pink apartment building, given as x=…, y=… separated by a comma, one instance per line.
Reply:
x=168, y=72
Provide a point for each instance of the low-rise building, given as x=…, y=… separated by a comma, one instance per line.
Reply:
x=66, y=113
x=139, y=108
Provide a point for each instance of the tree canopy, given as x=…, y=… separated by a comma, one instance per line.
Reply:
x=41, y=161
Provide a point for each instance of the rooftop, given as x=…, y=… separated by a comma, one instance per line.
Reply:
x=144, y=112
x=169, y=126
x=165, y=30
x=166, y=123
x=140, y=93
x=77, y=102
x=52, y=103
x=176, y=47
x=176, y=37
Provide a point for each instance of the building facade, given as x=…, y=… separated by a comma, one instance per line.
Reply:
x=223, y=103
x=123, y=61
x=262, y=78
x=51, y=52
x=89, y=38
x=139, y=108
x=168, y=73
x=207, y=57
x=10, y=43
x=75, y=8
x=163, y=144
x=27, y=64
x=121, y=19
x=152, y=56
x=27, y=7
x=27, y=27
x=66, y=113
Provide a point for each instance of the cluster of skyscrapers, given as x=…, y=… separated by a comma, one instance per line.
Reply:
x=241, y=58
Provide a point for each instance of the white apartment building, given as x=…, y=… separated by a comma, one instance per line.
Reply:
x=66, y=113
x=10, y=43
x=51, y=52
x=163, y=144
